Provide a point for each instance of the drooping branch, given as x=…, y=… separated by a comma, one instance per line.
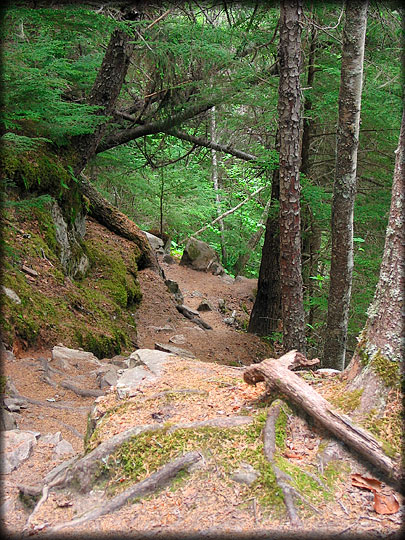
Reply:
x=278, y=376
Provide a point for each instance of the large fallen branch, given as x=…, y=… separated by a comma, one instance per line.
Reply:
x=117, y=222
x=149, y=485
x=278, y=376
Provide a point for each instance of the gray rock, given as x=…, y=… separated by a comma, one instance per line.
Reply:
x=52, y=438
x=217, y=269
x=15, y=404
x=198, y=255
x=174, y=288
x=205, y=306
x=64, y=358
x=7, y=355
x=166, y=328
x=63, y=447
x=228, y=279
x=168, y=259
x=153, y=360
x=221, y=305
x=197, y=293
x=119, y=361
x=17, y=447
x=155, y=242
x=178, y=339
x=246, y=474
x=174, y=350
x=11, y=294
x=7, y=420
x=108, y=379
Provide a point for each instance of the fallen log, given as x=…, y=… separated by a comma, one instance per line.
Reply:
x=278, y=376
x=155, y=481
x=117, y=222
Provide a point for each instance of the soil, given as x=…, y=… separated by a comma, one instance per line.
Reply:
x=204, y=503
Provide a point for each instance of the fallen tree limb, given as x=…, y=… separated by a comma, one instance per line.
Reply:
x=117, y=222
x=278, y=376
x=155, y=481
x=84, y=392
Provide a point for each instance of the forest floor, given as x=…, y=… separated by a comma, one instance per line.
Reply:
x=217, y=507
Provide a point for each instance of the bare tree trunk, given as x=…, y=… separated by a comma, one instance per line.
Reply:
x=243, y=259
x=266, y=311
x=383, y=338
x=214, y=176
x=344, y=189
x=290, y=159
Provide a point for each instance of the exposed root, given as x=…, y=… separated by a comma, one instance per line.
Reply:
x=83, y=392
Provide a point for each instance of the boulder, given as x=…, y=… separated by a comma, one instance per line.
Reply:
x=217, y=269
x=153, y=360
x=107, y=378
x=155, y=242
x=11, y=294
x=65, y=358
x=168, y=259
x=63, y=447
x=17, y=447
x=198, y=255
x=52, y=438
x=177, y=339
x=13, y=404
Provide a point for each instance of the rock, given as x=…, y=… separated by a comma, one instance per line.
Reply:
x=10, y=388
x=166, y=328
x=148, y=366
x=65, y=358
x=7, y=420
x=63, y=447
x=205, y=306
x=6, y=355
x=197, y=293
x=178, y=339
x=168, y=259
x=155, y=242
x=107, y=379
x=188, y=312
x=174, y=350
x=17, y=447
x=221, y=305
x=15, y=404
x=227, y=279
x=11, y=294
x=327, y=371
x=52, y=438
x=198, y=255
x=217, y=269
x=246, y=474
x=174, y=288
x=230, y=320
x=119, y=361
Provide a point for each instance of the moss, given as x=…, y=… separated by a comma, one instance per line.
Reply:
x=101, y=345
x=386, y=369
x=387, y=429
x=3, y=382
x=347, y=401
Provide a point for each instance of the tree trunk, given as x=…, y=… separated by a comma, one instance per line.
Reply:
x=279, y=378
x=377, y=361
x=243, y=259
x=266, y=311
x=290, y=158
x=214, y=176
x=344, y=188
x=104, y=93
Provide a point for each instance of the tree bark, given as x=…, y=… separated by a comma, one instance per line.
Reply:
x=279, y=378
x=116, y=221
x=384, y=332
x=290, y=158
x=344, y=189
x=266, y=311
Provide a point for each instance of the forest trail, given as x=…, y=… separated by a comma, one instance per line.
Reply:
x=206, y=502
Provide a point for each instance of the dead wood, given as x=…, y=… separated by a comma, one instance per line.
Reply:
x=119, y=223
x=83, y=392
x=155, y=481
x=278, y=376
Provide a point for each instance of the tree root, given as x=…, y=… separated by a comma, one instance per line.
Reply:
x=82, y=410
x=83, y=392
x=155, y=481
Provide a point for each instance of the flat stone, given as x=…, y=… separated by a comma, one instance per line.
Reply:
x=178, y=339
x=205, y=306
x=11, y=294
x=65, y=358
x=132, y=379
x=63, y=447
x=246, y=474
x=153, y=360
x=52, y=438
x=174, y=350
x=17, y=447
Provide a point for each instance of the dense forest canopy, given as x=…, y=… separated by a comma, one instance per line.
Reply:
x=154, y=159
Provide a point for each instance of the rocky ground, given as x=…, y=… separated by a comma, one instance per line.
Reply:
x=52, y=417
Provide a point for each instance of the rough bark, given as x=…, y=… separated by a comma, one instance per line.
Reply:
x=116, y=221
x=279, y=378
x=344, y=189
x=384, y=333
x=290, y=158
x=266, y=311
